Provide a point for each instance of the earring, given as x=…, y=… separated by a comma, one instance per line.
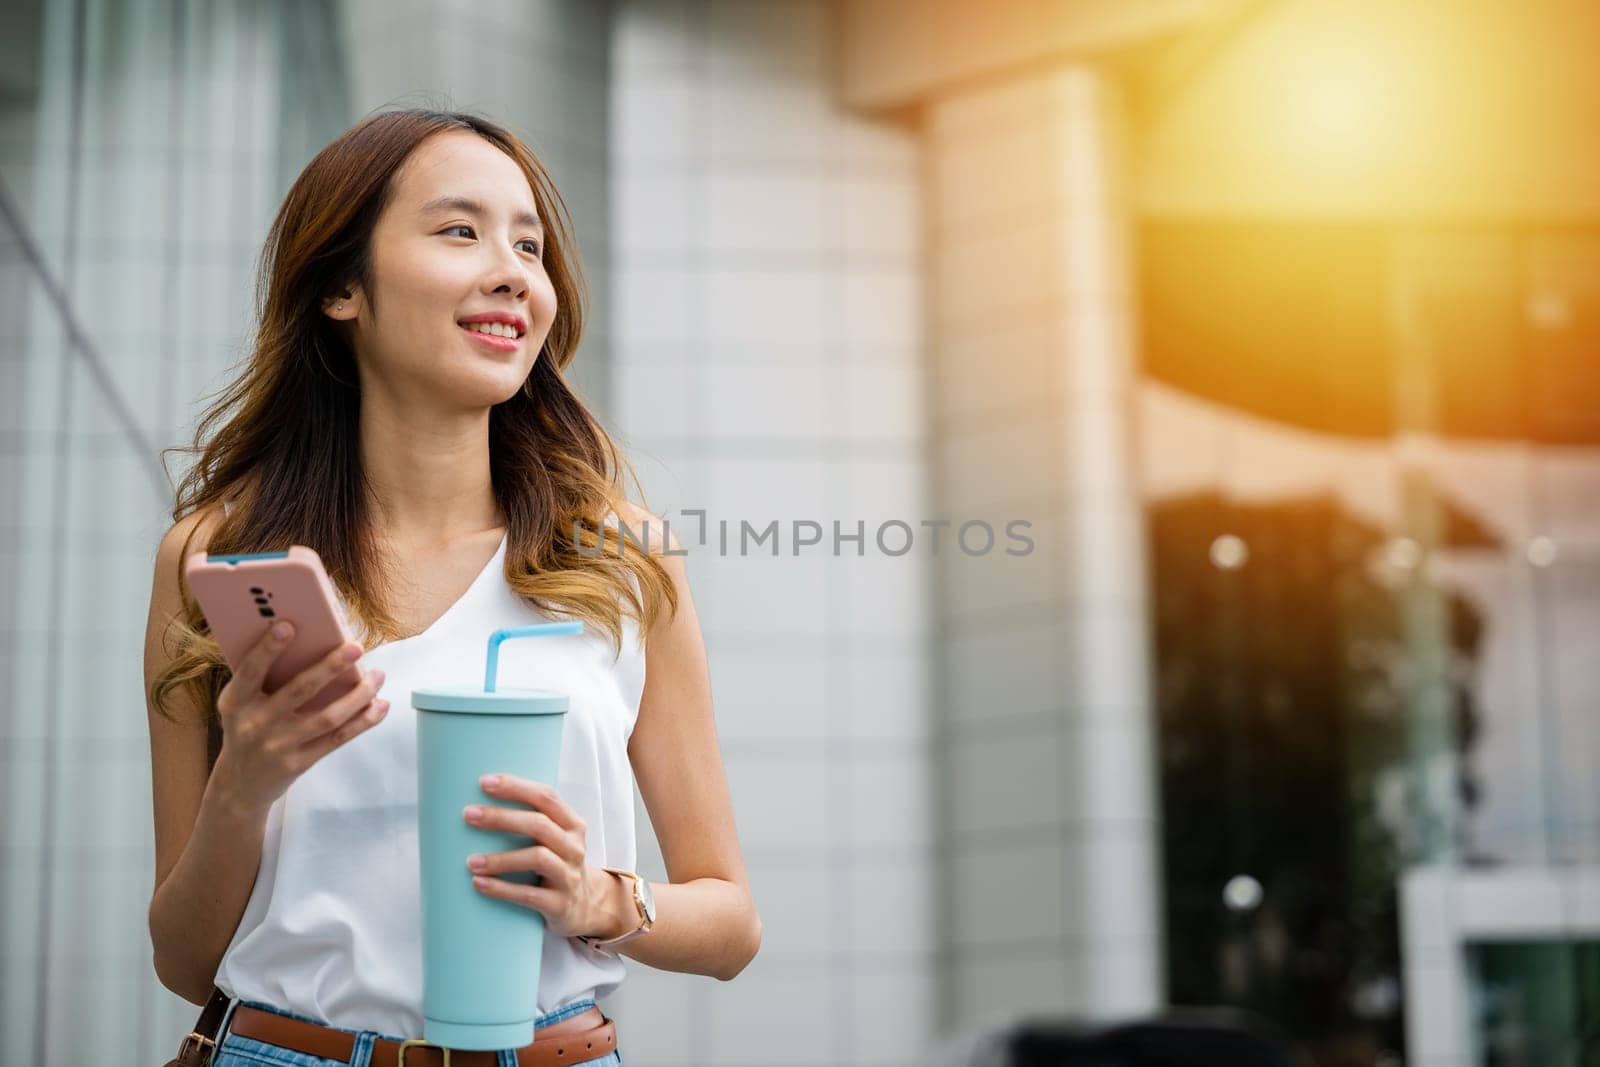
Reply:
x=338, y=307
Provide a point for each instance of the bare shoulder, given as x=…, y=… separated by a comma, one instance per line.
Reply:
x=188, y=535
x=194, y=530
x=641, y=522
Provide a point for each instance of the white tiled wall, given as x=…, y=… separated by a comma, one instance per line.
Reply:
x=1045, y=750
x=768, y=366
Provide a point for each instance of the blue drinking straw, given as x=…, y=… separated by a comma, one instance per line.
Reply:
x=543, y=629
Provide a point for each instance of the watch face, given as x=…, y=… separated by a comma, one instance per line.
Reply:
x=649, y=900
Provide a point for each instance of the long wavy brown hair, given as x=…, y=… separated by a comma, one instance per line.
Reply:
x=281, y=442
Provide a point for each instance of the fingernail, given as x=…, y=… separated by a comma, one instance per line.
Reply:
x=282, y=631
x=474, y=812
x=352, y=653
x=476, y=862
x=378, y=677
x=480, y=881
x=490, y=781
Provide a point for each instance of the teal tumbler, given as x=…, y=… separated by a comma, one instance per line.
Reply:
x=480, y=956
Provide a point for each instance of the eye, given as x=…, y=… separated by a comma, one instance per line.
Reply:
x=528, y=241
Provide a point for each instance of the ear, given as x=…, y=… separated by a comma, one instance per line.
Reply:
x=344, y=305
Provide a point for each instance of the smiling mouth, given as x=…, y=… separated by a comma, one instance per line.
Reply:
x=494, y=340
x=493, y=329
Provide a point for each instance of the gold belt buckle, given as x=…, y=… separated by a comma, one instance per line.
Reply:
x=417, y=1042
x=199, y=1039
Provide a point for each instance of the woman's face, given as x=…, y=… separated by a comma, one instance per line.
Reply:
x=460, y=238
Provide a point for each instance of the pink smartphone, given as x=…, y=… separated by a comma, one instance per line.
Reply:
x=242, y=595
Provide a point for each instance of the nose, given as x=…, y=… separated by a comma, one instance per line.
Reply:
x=507, y=274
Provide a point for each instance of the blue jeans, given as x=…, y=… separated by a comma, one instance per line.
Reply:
x=236, y=1050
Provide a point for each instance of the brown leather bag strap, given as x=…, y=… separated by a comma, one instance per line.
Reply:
x=199, y=1045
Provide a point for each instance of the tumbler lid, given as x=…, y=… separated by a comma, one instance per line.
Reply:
x=474, y=701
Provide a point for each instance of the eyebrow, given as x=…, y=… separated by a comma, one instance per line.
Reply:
x=474, y=207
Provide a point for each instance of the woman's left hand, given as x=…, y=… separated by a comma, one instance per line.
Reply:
x=569, y=898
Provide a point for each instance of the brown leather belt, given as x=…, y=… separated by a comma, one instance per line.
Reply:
x=589, y=1035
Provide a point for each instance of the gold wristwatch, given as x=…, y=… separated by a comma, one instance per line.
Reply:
x=642, y=900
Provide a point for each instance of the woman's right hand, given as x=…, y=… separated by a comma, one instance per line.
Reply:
x=268, y=741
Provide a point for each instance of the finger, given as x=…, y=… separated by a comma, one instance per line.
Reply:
x=538, y=859
x=540, y=898
x=311, y=681
x=351, y=728
x=252, y=670
x=532, y=824
x=360, y=696
x=538, y=794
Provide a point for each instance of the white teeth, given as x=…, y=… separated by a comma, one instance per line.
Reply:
x=499, y=329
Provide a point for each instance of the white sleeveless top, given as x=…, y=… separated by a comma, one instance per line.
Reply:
x=333, y=929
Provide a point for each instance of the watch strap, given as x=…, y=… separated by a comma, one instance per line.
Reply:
x=638, y=903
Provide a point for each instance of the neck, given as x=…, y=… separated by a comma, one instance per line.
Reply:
x=428, y=473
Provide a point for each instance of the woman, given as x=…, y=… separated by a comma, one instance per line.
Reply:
x=452, y=484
